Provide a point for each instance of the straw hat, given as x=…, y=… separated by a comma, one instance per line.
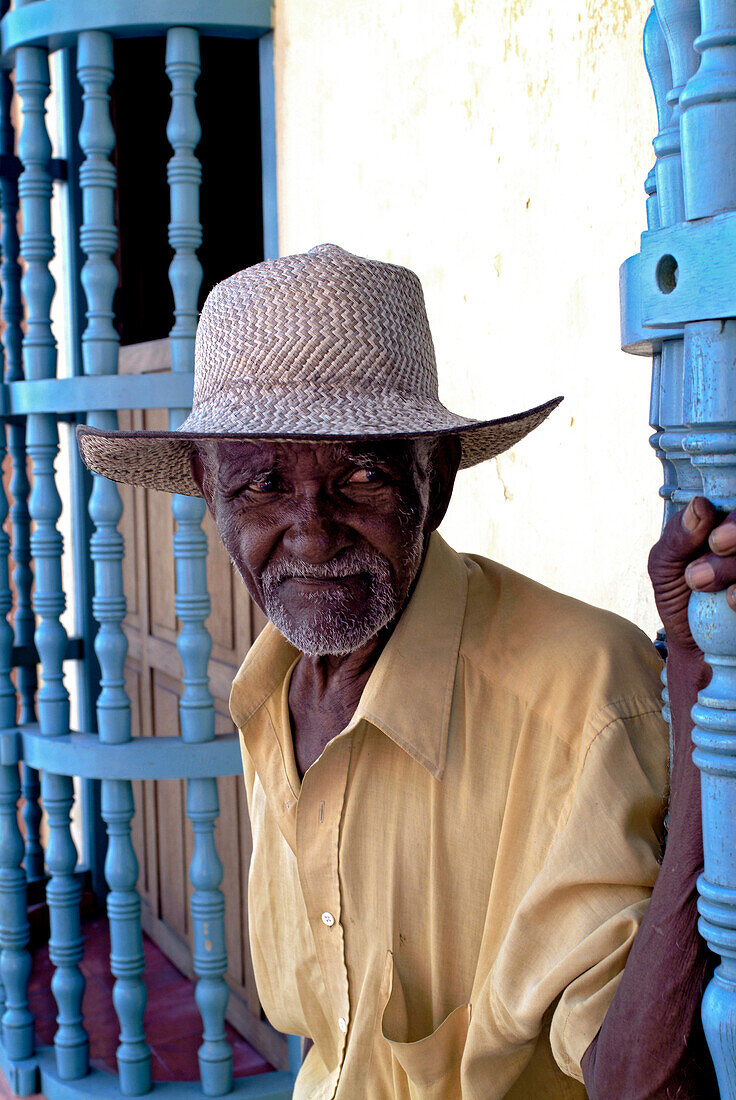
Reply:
x=319, y=346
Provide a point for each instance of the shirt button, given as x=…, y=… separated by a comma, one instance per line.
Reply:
x=328, y=919
x=342, y=1024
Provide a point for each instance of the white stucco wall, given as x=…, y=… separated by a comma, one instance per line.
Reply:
x=499, y=150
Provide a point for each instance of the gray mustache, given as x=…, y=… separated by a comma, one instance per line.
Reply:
x=351, y=562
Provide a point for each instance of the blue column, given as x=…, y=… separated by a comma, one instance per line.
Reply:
x=190, y=550
x=680, y=22
x=98, y=239
x=15, y=961
x=709, y=152
x=12, y=315
x=39, y=358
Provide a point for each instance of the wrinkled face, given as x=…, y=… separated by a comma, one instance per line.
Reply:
x=328, y=537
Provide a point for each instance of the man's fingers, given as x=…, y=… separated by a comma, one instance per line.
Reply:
x=687, y=531
x=722, y=539
x=711, y=573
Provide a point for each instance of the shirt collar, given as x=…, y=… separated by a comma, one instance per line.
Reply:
x=408, y=695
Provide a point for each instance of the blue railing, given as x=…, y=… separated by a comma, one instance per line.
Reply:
x=678, y=297
x=35, y=735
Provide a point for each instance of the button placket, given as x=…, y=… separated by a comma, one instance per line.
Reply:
x=319, y=814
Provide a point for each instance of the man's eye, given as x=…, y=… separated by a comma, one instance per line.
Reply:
x=366, y=475
x=265, y=483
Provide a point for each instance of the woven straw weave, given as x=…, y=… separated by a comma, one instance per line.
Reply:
x=321, y=345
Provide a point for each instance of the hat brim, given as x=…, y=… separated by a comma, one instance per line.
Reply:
x=161, y=459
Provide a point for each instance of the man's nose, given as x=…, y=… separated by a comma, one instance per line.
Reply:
x=315, y=533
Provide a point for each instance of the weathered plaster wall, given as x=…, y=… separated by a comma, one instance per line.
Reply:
x=500, y=150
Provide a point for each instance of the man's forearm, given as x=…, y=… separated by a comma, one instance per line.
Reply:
x=651, y=1043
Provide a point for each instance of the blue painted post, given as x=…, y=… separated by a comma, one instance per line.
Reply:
x=15, y=961
x=12, y=315
x=680, y=22
x=709, y=148
x=39, y=357
x=190, y=550
x=98, y=238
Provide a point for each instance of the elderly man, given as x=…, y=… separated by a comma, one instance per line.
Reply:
x=456, y=778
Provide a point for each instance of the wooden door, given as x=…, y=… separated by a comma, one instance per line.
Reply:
x=162, y=835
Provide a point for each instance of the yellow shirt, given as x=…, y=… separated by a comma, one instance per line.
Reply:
x=446, y=902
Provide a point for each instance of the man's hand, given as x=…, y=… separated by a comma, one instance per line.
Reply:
x=696, y=552
x=669, y=964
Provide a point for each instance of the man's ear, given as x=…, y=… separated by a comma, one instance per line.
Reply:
x=445, y=464
x=199, y=474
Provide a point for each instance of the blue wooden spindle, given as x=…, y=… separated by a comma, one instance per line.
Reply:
x=66, y=945
x=210, y=953
x=126, y=943
x=24, y=620
x=15, y=961
x=680, y=23
x=657, y=60
x=708, y=106
x=709, y=141
x=39, y=359
x=190, y=551
x=98, y=240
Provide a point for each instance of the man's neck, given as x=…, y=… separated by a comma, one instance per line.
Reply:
x=324, y=693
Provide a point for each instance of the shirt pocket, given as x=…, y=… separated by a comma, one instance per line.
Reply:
x=431, y=1065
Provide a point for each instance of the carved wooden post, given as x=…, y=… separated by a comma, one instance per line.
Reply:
x=98, y=239
x=190, y=550
x=15, y=961
x=12, y=315
x=657, y=61
x=709, y=148
x=680, y=22
x=39, y=355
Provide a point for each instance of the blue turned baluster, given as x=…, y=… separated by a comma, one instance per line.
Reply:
x=657, y=61
x=24, y=620
x=98, y=239
x=680, y=22
x=190, y=550
x=709, y=146
x=15, y=961
x=39, y=357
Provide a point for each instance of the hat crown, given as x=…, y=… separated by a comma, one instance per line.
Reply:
x=326, y=321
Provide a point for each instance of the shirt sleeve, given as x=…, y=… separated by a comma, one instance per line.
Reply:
x=568, y=941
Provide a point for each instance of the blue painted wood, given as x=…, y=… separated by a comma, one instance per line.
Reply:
x=657, y=60
x=680, y=22
x=700, y=388
x=54, y=24
x=708, y=106
x=196, y=707
x=709, y=142
x=104, y=1086
x=39, y=359
x=268, y=148
x=15, y=961
x=82, y=754
x=704, y=284
x=98, y=238
x=69, y=395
